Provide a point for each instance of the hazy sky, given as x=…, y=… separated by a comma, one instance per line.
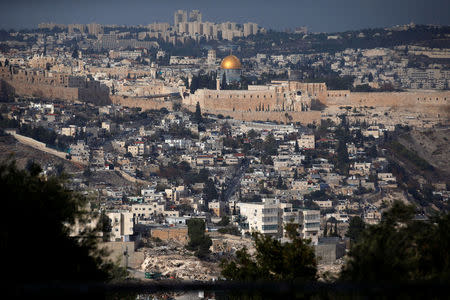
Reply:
x=318, y=15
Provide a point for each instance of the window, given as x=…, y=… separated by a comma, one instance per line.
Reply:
x=311, y=225
x=270, y=227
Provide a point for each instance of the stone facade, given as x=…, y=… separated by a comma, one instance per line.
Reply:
x=155, y=103
x=43, y=84
x=291, y=101
x=279, y=96
x=387, y=99
x=124, y=253
x=179, y=234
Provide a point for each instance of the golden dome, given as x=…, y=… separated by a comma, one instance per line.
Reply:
x=231, y=62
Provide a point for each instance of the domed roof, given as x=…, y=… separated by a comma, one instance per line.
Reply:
x=231, y=62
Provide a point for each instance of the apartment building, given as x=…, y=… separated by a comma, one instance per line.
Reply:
x=121, y=225
x=307, y=141
x=263, y=217
x=310, y=224
x=145, y=211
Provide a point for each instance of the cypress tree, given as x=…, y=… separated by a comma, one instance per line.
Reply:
x=198, y=113
x=297, y=148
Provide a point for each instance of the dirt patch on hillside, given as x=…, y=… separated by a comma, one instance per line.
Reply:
x=432, y=145
x=11, y=149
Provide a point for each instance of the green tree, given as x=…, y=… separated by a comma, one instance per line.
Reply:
x=270, y=145
x=176, y=105
x=203, y=175
x=54, y=254
x=297, y=148
x=342, y=157
x=224, y=222
x=279, y=182
x=105, y=226
x=400, y=248
x=372, y=151
x=223, y=83
x=209, y=192
x=252, y=134
x=59, y=169
x=198, y=113
x=198, y=240
x=273, y=260
x=356, y=227
x=87, y=172
x=75, y=52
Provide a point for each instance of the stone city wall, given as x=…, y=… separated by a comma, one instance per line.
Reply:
x=144, y=103
x=388, y=98
x=43, y=90
x=271, y=99
x=36, y=144
x=233, y=100
x=174, y=233
x=304, y=117
x=432, y=104
x=58, y=86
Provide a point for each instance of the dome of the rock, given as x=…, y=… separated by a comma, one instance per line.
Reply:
x=231, y=62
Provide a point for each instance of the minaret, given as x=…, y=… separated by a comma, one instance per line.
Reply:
x=217, y=83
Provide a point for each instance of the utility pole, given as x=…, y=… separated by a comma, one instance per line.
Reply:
x=126, y=257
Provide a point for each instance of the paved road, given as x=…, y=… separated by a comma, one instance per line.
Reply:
x=234, y=183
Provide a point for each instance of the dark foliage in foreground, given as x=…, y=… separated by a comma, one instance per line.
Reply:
x=35, y=237
x=401, y=249
x=292, y=261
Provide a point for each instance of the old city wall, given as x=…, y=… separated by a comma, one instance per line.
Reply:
x=43, y=90
x=304, y=117
x=36, y=84
x=144, y=103
x=388, y=99
x=24, y=85
x=37, y=145
x=423, y=102
x=315, y=90
x=232, y=100
x=96, y=96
